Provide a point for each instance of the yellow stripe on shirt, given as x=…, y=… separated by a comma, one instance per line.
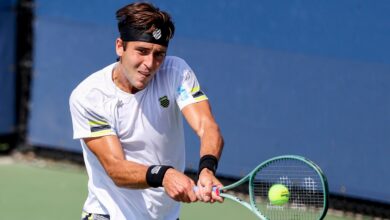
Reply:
x=101, y=133
x=94, y=123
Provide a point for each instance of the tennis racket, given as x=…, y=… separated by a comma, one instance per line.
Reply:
x=306, y=183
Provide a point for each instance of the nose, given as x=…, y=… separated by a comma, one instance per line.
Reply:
x=149, y=60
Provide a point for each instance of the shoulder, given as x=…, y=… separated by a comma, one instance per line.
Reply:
x=174, y=68
x=92, y=87
x=171, y=60
x=174, y=63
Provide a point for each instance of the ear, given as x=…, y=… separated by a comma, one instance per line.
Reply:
x=119, y=47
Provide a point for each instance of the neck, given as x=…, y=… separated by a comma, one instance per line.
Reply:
x=121, y=81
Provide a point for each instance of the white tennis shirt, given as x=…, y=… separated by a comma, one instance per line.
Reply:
x=149, y=127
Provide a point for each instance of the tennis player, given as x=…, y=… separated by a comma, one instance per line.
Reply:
x=128, y=117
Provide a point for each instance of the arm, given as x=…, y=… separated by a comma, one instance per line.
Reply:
x=129, y=174
x=124, y=173
x=200, y=118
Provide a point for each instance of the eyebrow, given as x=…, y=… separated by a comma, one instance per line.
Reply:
x=149, y=49
x=142, y=48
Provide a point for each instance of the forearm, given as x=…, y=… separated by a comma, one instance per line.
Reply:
x=123, y=173
x=210, y=153
x=200, y=118
x=128, y=174
x=211, y=141
x=176, y=184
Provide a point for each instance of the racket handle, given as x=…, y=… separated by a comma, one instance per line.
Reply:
x=215, y=189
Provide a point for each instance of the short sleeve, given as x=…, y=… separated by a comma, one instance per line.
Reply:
x=88, y=118
x=188, y=90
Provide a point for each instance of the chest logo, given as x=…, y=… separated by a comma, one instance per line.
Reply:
x=164, y=101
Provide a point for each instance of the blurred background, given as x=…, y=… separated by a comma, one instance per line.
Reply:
x=284, y=77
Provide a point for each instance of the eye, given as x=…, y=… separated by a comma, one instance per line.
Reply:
x=160, y=55
x=142, y=51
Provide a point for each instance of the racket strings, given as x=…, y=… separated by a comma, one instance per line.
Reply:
x=306, y=200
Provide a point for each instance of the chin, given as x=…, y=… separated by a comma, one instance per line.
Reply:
x=140, y=86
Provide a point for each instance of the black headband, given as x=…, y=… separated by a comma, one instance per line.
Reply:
x=132, y=34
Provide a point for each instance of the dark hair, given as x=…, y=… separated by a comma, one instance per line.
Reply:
x=145, y=17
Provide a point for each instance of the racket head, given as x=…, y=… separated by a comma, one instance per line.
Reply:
x=306, y=183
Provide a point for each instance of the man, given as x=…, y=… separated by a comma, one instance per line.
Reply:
x=128, y=119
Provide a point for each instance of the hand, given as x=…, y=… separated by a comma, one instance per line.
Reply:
x=179, y=187
x=206, y=182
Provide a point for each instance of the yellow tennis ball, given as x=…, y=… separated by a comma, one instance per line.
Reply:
x=278, y=194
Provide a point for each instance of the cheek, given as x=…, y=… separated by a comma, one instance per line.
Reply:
x=134, y=60
x=129, y=61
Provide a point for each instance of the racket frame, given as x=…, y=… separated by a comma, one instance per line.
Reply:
x=250, y=178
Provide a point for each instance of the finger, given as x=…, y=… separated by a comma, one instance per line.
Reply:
x=217, y=198
x=215, y=194
x=206, y=193
x=198, y=194
x=205, y=197
x=208, y=187
x=192, y=197
x=184, y=198
x=207, y=190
